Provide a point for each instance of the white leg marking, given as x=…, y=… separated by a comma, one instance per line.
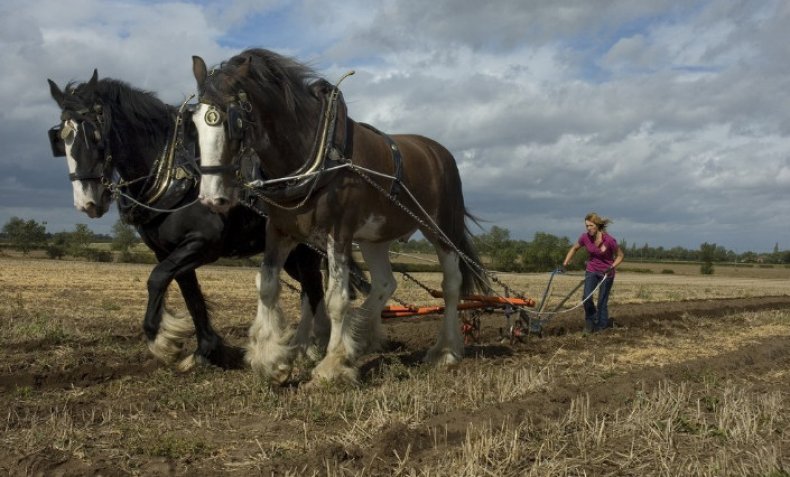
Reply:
x=268, y=352
x=174, y=331
x=449, y=347
x=342, y=347
x=382, y=286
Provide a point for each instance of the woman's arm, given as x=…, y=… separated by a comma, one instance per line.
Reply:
x=618, y=259
x=570, y=254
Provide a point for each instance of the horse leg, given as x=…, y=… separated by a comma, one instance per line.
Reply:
x=210, y=348
x=382, y=286
x=165, y=332
x=268, y=352
x=342, y=347
x=304, y=265
x=449, y=347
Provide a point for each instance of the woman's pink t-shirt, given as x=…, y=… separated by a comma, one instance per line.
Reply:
x=601, y=257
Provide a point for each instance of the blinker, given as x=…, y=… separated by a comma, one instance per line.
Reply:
x=55, y=141
x=235, y=122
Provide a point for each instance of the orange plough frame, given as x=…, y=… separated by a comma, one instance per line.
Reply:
x=471, y=302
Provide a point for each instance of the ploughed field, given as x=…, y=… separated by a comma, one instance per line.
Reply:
x=693, y=380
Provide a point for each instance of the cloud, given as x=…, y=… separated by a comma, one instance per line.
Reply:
x=670, y=118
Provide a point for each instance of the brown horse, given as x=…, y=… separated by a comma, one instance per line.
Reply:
x=330, y=181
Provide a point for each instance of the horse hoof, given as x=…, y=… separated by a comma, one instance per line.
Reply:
x=163, y=350
x=280, y=375
x=343, y=375
x=442, y=358
x=315, y=352
x=277, y=375
x=191, y=362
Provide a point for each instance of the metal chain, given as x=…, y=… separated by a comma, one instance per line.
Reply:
x=321, y=252
x=359, y=171
x=410, y=277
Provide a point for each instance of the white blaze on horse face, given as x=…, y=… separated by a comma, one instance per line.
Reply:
x=88, y=195
x=212, y=145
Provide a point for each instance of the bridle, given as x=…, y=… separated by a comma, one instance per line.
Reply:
x=73, y=123
x=235, y=119
x=156, y=183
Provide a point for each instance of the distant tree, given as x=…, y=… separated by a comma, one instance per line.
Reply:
x=58, y=244
x=707, y=251
x=25, y=235
x=124, y=238
x=79, y=241
x=546, y=251
x=487, y=243
x=417, y=246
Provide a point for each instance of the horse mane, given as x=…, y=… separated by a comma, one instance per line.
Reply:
x=279, y=83
x=134, y=113
x=136, y=110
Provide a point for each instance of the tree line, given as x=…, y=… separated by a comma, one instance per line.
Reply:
x=29, y=235
x=500, y=252
x=546, y=251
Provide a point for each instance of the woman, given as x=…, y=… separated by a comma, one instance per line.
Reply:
x=604, y=256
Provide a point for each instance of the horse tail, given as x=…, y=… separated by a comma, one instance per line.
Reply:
x=473, y=279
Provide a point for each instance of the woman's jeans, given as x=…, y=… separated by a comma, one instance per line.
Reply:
x=600, y=320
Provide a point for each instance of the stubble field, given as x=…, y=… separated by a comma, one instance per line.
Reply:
x=693, y=380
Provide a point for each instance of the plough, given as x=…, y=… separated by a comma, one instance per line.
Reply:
x=520, y=321
x=469, y=303
x=477, y=304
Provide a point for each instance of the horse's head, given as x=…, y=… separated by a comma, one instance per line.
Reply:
x=256, y=101
x=221, y=123
x=82, y=138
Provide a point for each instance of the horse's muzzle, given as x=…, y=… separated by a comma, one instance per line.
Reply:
x=220, y=205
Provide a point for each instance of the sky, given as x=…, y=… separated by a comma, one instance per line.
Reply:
x=672, y=118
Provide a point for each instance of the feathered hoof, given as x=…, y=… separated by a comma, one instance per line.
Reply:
x=191, y=362
x=277, y=374
x=325, y=374
x=165, y=350
x=315, y=352
x=442, y=357
x=174, y=331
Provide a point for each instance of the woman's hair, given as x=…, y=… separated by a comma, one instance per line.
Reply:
x=600, y=222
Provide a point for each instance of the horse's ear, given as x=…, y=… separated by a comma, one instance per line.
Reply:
x=199, y=70
x=244, y=69
x=90, y=87
x=56, y=93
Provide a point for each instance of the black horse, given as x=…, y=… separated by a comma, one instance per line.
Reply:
x=118, y=138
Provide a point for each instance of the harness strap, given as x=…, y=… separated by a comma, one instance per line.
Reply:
x=397, y=160
x=219, y=169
